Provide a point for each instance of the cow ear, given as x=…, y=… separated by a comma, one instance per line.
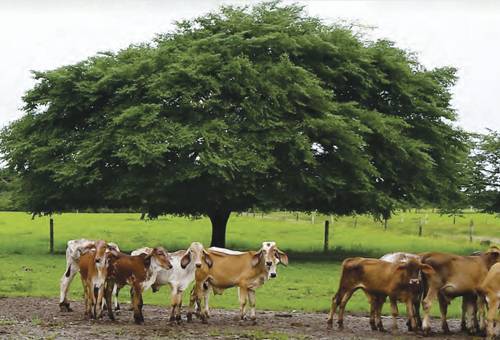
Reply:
x=185, y=260
x=282, y=257
x=426, y=269
x=256, y=258
x=208, y=259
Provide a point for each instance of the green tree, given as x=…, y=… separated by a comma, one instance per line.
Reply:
x=7, y=183
x=483, y=189
x=261, y=107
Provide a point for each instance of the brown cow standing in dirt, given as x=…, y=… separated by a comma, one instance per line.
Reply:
x=379, y=279
x=93, y=272
x=454, y=276
x=489, y=294
x=137, y=271
x=224, y=268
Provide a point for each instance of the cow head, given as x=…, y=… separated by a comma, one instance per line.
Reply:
x=101, y=250
x=411, y=273
x=197, y=254
x=270, y=256
x=159, y=259
x=491, y=256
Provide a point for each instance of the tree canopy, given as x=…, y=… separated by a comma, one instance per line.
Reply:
x=261, y=107
x=483, y=187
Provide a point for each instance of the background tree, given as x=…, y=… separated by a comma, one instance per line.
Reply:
x=260, y=107
x=483, y=189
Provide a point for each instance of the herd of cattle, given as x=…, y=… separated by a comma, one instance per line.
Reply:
x=413, y=279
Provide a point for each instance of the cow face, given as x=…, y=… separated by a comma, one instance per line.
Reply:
x=272, y=256
x=195, y=253
x=100, y=257
x=492, y=256
x=411, y=273
x=161, y=258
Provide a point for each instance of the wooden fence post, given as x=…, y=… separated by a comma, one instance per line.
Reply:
x=420, y=227
x=385, y=224
x=327, y=230
x=355, y=221
x=51, y=223
x=471, y=230
x=313, y=216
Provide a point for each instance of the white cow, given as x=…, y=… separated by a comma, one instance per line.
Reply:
x=184, y=264
x=73, y=251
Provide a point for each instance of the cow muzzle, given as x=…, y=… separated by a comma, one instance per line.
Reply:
x=272, y=275
x=414, y=281
x=198, y=265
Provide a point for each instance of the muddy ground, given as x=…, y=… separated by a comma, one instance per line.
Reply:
x=35, y=318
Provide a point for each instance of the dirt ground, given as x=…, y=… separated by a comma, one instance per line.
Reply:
x=36, y=318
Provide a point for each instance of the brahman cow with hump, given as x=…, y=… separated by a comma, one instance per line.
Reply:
x=454, y=276
x=184, y=264
x=93, y=272
x=378, y=279
x=137, y=271
x=73, y=252
x=224, y=268
x=489, y=294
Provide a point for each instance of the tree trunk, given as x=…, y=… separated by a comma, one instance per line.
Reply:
x=219, y=220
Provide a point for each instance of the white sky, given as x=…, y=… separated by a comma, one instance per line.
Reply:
x=44, y=34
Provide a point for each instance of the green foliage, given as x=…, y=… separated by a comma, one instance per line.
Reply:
x=484, y=185
x=245, y=107
x=7, y=189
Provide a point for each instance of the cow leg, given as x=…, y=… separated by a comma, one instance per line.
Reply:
x=173, y=303
x=333, y=309
x=395, y=313
x=179, y=306
x=116, y=291
x=137, y=303
x=481, y=306
x=342, y=305
x=443, y=308
x=410, y=310
x=492, y=318
x=108, y=296
x=463, y=323
x=66, y=279
x=192, y=302
x=205, y=312
x=373, y=308
x=427, y=304
x=472, y=314
x=100, y=301
x=251, y=300
x=243, y=296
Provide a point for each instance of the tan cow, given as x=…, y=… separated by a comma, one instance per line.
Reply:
x=137, y=271
x=489, y=293
x=379, y=279
x=454, y=276
x=225, y=268
x=93, y=272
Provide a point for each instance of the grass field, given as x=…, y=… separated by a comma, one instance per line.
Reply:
x=26, y=268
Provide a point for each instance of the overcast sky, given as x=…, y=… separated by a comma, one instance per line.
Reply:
x=44, y=34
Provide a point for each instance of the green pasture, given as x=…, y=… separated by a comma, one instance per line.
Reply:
x=26, y=268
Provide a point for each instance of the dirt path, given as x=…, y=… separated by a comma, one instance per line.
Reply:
x=40, y=318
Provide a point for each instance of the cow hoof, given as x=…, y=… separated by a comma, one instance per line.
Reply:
x=204, y=321
x=64, y=307
x=426, y=331
x=329, y=323
x=189, y=317
x=254, y=322
x=172, y=318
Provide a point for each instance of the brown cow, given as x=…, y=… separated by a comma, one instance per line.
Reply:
x=489, y=293
x=378, y=279
x=93, y=271
x=454, y=276
x=225, y=268
x=137, y=271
